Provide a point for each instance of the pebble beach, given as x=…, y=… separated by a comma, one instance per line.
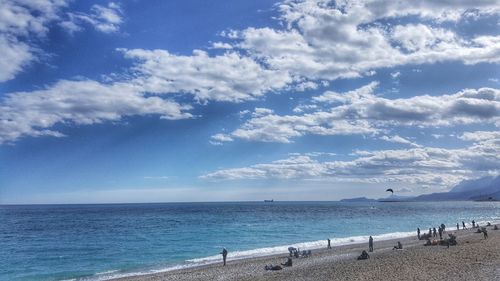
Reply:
x=474, y=258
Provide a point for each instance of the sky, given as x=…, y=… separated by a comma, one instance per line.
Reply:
x=166, y=101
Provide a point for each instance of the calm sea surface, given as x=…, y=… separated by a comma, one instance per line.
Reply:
x=97, y=242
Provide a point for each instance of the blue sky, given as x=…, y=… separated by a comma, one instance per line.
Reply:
x=156, y=101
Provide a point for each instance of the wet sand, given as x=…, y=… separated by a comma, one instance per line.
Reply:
x=474, y=258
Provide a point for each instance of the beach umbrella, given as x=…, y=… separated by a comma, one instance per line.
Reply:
x=390, y=189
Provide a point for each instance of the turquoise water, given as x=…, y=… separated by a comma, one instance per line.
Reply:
x=97, y=242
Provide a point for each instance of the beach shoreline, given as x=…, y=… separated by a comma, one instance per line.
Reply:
x=473, y=257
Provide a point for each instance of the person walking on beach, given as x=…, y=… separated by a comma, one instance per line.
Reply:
x=418, y=233
x=224, y=255
x=370, y=244
x=485, y=233
x=463, y=225
x=329, y=244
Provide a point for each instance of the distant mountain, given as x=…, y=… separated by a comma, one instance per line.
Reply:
x=487, y=188
x=479, y=189
x=358, y=199
x=393, y=197
x=480, y=185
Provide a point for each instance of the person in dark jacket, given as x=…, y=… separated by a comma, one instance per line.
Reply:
x=224, y=255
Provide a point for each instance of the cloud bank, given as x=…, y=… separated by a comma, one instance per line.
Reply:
x=423, y=166
x=362, y=112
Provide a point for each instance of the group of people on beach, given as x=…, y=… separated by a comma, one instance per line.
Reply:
x=294, y=252
x=432, y=233
x=479, y=228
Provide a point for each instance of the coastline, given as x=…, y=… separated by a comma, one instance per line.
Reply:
x=473, y=257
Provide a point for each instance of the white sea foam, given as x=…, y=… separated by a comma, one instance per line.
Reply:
x=113, y=274
x=261, y=252
x=237, y=255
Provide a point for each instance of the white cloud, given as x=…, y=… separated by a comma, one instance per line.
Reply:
x=360, y=111
x=480, y=136
x=15, y=55
x=304, y=107
x=104, y=19
x=221, y=45
x=418, y=37
x=20, y=20
x=395, y=75
x=23, y=23
x=78, y=102
x=228, y=77
x=275, y=128
x=218, y=139
x=324, y=40
x=423, y=166
x=398, y=139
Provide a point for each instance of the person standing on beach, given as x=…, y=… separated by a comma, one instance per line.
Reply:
x=440, y=230
x=370, y=244
x=485, y=233
x=418, y=233
x=224, y=255
x=473, y=224
x=329, y=244
x=434, y=233
x=463, y=225
x=458, y=227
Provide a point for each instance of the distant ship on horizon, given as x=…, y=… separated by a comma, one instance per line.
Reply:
x=269, y=201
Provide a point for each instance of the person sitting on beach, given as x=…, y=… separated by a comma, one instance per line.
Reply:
x=297, y=253
x=288, y=262
x=398, y=247
x=224, y=255
x=370, y=244
x=478, y=230
x=424, y=236
x=292, y=250
x=452, y=240
x=495, y=227
x=428, y=243
x=488, y=224
x=364, y=255
x=273, y=267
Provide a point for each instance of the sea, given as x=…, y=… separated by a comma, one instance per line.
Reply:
x=101, y=242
